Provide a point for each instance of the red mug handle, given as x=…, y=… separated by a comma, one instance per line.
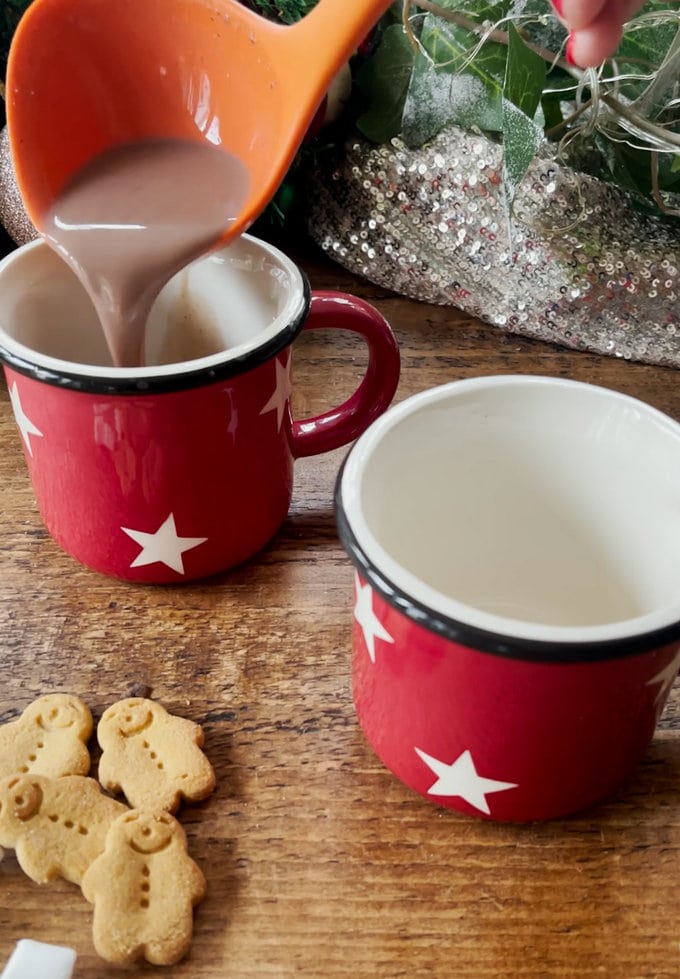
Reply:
x=338, y=426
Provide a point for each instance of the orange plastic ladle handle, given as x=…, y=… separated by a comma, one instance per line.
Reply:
x=84, y=76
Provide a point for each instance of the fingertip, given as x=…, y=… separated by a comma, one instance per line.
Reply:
x=590, y=47
x=578, y=14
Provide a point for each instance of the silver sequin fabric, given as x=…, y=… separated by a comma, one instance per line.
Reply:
x=577, y=263
x=13, y=217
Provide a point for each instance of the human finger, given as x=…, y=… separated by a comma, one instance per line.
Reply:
x=577, y=14
x=597, y=41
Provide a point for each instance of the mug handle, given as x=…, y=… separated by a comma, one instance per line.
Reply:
x=339, y=311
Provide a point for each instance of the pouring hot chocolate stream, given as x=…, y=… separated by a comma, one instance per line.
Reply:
x=147, y=132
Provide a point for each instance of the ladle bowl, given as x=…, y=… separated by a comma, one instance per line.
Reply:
x=84, y=76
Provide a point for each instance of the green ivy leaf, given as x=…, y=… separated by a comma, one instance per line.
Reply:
x=524, y=75
x=522, y=139
x=445, y=90
x=522, y=90
x=450, y=46
x=482, y=11
x=385, y=80
x=552, y=113
x=627, y=168
x=286, y=11
x=643, y=53
x=647, y=45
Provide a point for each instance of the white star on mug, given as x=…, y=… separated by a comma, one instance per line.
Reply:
x=26, y=426
x=461, y=779
x=164, y=546
x=665, y=678
x=282, y=393
x=370, y=624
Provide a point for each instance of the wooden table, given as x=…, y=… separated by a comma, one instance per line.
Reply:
x=319, y=863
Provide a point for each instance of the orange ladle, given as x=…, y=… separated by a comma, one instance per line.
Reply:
x=84, y=76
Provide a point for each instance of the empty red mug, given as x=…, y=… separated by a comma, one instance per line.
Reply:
x=516, y=605
x=184, y=467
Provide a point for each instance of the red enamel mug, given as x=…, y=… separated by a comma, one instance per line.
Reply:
x=184, y=467
x=516, y=543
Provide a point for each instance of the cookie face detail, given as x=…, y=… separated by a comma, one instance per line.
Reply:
x=49, y=738
x=57, y=826
x=148, y=833
x=24, y=798
x=154, y=758
x=143, y=887
x=131, y=717
x=57, y=711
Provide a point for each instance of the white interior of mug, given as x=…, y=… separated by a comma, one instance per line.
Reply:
x=219, y=308
x=531, y=507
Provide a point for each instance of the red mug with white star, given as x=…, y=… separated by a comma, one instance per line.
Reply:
x=516, y=543
x=181, y=468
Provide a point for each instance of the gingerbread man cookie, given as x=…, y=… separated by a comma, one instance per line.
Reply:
x=57, y=826
x=153, y=757
x=49, y=738
x=143, y=887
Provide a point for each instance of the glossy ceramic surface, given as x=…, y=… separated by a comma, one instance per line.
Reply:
x=516, y=621
x=175, y=471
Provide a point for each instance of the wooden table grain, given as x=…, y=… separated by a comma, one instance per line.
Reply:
x=319, y=863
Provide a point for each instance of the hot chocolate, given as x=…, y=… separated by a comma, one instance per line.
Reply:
x=136, y=215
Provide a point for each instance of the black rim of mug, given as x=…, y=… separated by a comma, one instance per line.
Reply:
x=473, y=637
x=165, y=383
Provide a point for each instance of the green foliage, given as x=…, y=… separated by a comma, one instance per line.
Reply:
x=384, y=81
x=498, y=67
x=525, y=73
x=443, y=90
x=286, y=11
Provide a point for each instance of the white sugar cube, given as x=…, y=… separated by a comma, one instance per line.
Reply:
x=38, y=960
